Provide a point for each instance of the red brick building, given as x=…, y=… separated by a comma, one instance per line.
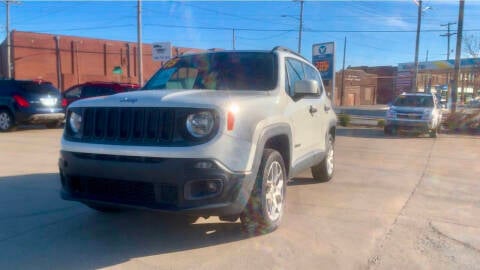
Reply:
x=359, y=88
x=386, y=82
x=68, y=60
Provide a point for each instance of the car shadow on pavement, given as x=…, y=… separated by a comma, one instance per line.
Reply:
x=374, y=133
x=301, y=181
x=40, y=230
x=22, y=128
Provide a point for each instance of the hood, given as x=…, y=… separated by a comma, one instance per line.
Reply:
x=173, y=98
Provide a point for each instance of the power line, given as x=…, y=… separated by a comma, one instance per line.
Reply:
x=305, y=30
x=268, y=37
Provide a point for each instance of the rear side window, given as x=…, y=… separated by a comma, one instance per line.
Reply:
x=95, y=91
x=37, y=88
x=6, y=87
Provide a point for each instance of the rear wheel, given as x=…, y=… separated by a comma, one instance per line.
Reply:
x=323, y=171
x=265, y=208
x=6, y=120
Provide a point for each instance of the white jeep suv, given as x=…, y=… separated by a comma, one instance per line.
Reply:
x=211, y=134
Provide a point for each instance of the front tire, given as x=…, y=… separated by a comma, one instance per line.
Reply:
x=6, y=121
x=323, y=171
x=387, y=130
x=433, y=132
x=264, y=210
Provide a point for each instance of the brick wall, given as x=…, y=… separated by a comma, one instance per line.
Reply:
x=36, y=56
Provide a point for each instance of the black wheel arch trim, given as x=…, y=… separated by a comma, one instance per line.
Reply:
x=281, y=129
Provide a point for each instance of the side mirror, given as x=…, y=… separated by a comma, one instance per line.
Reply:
x=304, y=88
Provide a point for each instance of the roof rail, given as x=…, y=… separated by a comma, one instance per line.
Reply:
x=285, y=49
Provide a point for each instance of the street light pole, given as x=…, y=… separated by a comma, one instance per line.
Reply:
x=9, y=64
x=300, y=28
x=139, y=43
x=7, y=28
x=417, y=43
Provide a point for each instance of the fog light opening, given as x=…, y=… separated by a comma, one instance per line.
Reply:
x=213, y=187
x=203, y=189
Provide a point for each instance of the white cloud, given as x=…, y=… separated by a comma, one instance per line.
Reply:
x=397, y=22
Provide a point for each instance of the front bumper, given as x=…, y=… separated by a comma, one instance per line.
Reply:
x=165, y=184
x=407, y=124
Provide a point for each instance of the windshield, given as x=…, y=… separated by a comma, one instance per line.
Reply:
x=413, y=101
x=217, y=71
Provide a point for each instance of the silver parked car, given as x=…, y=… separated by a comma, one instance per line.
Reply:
x=419, y=112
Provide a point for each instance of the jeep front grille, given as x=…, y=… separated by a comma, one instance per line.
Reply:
x=128, y=125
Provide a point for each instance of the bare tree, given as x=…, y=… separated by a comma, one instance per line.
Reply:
x=471, y=45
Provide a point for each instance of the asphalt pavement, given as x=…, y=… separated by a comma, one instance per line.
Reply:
x=394, y=203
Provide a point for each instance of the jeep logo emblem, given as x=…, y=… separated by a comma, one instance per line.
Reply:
x=130, y=100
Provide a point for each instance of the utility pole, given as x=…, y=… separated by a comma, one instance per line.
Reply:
x=426, y=77
x=9, y=47
x=458, y=51
x=139, y=43
x=417, y=43
x=300, y=28
x=343, y=70
x=233, y=38
x=448, y=35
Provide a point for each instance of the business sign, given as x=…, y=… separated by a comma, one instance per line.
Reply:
x=161, y=51
x=440, y=65
x=323, y=58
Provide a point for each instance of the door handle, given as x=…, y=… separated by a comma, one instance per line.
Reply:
x=313, y=109
x=327, y=108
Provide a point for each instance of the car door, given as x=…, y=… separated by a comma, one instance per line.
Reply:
x=322, y=105
x=299, y=112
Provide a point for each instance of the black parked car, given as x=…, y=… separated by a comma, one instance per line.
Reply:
x=29, y=102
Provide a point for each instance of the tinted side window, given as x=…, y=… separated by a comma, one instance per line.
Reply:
x=312, y=74
x=74, y=93
x=37, y=88
x=95, y=91
x=6, y=87
x=294, y=72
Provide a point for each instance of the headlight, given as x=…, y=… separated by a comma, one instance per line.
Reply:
x=391, y=114
x=200, y=124
x=75, y=122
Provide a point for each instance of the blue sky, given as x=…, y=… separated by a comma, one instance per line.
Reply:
x=258, y=24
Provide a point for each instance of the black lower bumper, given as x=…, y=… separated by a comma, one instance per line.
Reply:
x=39, y=115
x=165, y=184
x=409, y=125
